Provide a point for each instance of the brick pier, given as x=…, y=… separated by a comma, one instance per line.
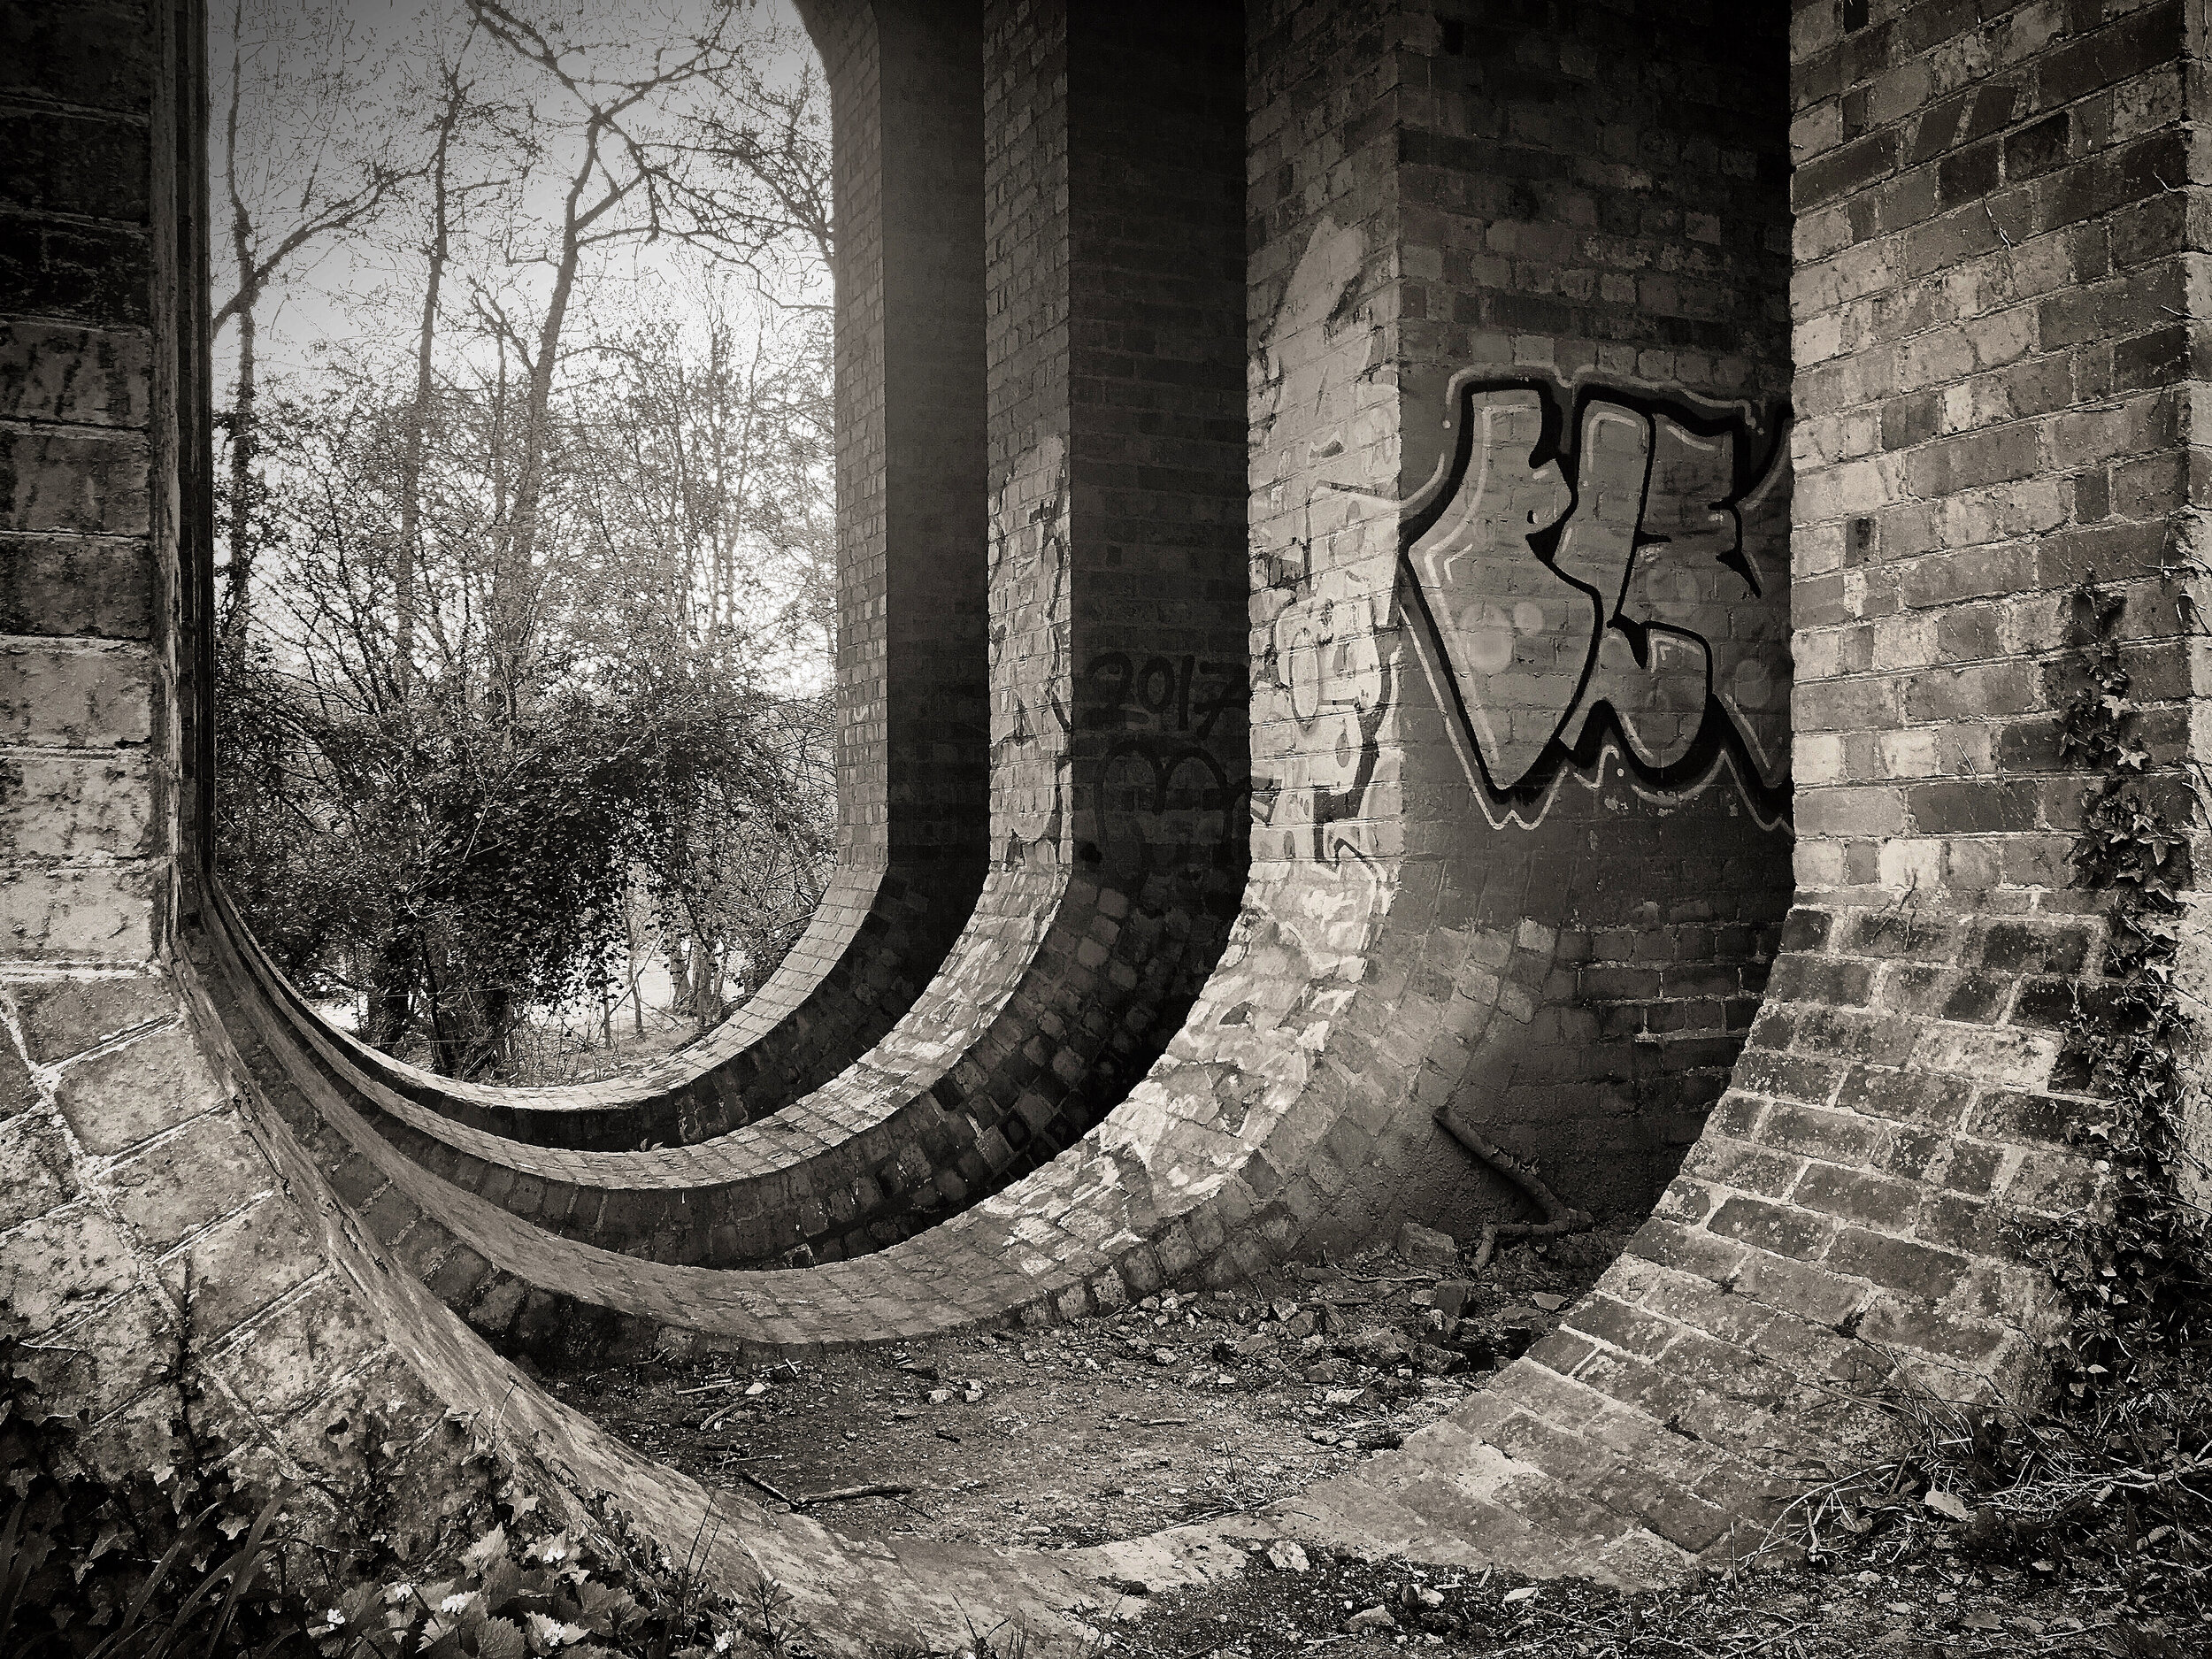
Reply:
x=1391, y=557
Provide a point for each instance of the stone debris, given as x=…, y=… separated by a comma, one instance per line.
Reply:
x=1425, y=1247
x=1451, y=1297
x=1178, y=1407
x=1286, y=1556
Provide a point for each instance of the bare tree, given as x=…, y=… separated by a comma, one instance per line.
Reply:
x=538, y=638
x=619, y=190
x=285, y=196
x=776, y=134
x=455, y=95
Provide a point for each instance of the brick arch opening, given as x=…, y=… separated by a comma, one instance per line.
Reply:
x=910, y=671
x=1847, y=1209
x=1115, y=643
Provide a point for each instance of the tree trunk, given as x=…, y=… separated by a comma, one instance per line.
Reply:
x=392, y=991
x=410, y=555
x=230, y=620
x=238, y=575
x=511, y=564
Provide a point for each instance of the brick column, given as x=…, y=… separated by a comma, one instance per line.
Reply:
x=1558, y=703
x=1113, y=160
x=144, y=1208
x=1991, y=312
x=1994, y=273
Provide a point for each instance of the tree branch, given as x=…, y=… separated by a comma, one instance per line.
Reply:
x=1560, y=1218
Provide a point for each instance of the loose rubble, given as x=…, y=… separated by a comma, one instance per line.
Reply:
x=1187, y=1406
x=1926, y=1609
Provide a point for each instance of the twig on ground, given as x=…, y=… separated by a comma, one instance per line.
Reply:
x=715, y=1421
x=755, y=1480
x=846, y=1495
x=1560, y=1218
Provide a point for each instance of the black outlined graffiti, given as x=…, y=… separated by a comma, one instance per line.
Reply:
x=1166, y=796
x=1604, y=567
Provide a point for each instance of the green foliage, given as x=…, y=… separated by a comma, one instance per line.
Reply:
x=174, y=1560
x=472, y=868
x=452, y=829
x=603, y=1597
x=2115, y=1491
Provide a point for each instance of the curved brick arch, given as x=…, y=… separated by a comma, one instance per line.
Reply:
x=1987, y=399
x=1117, y=666
x=911, y=669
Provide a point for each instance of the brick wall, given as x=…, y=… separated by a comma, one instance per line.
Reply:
x=144, y=1216
x=1559, y=239
x=1989, y=210
x=1992, y=258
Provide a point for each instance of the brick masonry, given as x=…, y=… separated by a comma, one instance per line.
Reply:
x=1512, y=281
x=1115, y=389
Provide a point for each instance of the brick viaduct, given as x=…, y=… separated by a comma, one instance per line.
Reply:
x=1393, y=556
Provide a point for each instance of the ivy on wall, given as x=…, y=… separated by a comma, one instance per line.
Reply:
x=2133, y=1267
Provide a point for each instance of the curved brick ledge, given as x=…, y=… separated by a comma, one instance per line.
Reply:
x=1787, y=1272
x=1045, y=1008
x=866, y=955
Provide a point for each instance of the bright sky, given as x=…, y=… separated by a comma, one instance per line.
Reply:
x=329, y=91
x=329, y=87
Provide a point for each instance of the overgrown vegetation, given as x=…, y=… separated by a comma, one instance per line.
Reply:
x=526, y=551
x=186, y=1561
x=2132, y=1270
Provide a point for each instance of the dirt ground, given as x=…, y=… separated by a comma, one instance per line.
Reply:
x=1184, y=1408
x=1930, y=1609
x=1193, y=1405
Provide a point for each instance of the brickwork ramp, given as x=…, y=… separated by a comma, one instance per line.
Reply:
x=1058, y=993
x=1823, y=1235
x=298, y=1320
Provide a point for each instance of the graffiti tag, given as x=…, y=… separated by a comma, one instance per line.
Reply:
x=1609, y=568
